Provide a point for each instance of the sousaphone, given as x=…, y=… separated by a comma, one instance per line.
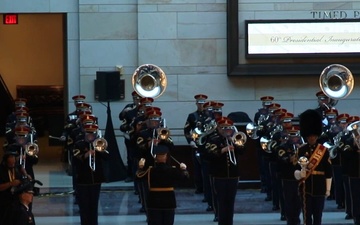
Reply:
x=149, y=80
x=336, y=81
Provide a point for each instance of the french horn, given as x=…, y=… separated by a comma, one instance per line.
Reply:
x=336, y=81
x=149, y=80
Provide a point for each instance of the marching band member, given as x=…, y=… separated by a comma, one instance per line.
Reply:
x=89, y=175
x=23, y=144
x=147, y=139
x=353, y=172
x=214, y=110
x=161, y=179
x=314, y=173
x=260, y=118
x=268, y=126
x=127, y=116
x=279, y=136
x=287, y=161
x=222, y=152
x=196, y=120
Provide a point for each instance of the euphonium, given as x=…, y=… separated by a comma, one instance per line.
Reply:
x=208, y=129
x=251, y=130
x=354, y=128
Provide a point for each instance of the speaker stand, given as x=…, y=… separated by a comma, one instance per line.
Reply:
x=114, y=168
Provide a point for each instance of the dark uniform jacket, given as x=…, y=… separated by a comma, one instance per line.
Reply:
x=84, y=174
x=7, y=197
x=287, y=160
x=315, y=184
x=22, y=215
x=195, y=119
x=162, y=179
x=30, y=161
x=220, y=165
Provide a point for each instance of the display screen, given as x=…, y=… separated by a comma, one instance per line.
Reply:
x=302, y=38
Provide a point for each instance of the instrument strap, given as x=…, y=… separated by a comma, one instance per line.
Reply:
x=315, y=159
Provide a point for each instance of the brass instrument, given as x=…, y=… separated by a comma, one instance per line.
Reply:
x=149, y=80
x=238, y=139
x=336, y=81
x=354, y=128
x=31, y=149
x=251, y=130
x=99, y=144
x=267, y=143
x=209, y=128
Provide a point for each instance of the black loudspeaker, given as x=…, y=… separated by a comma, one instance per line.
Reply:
x=109, y=86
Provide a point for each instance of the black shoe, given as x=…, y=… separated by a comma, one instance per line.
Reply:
x=136, y=193
x=348, y=217
x=268, y=198
x=340, y=206
x=216, y=219
x=204, y=200
x=129, y=179
x=282, y=217
x=263, y=190
x=209, y=208
x=275, y=207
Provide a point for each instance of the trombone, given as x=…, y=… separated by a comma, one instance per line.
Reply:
x=238, y=139
x=99, y=144
x=31, y=149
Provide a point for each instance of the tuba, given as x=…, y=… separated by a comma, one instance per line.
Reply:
x=336, y=81
x=149, y=80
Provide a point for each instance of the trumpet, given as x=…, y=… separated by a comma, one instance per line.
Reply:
x=99, y=144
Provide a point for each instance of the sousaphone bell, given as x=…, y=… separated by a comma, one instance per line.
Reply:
x=149, y=80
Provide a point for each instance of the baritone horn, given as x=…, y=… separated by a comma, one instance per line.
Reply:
x=149, y=80
x=336, y=81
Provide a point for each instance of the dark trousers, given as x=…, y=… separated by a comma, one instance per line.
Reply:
x=312, y=208
x=214, y=196
x=338, y=185
x=129, y=159
x=198, y=179
x=88, y=198
x=275, y=183
x=354, y=183
x=347, y=195
x=226, y=189
x=267, y=178
x=161, y=217
x=292, y=203
x=206, y=182
x=261, y=165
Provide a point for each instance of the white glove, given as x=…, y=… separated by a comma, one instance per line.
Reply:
x=62, y=138
x=141, y=163
x=299, y=174
x=193, y=144
x=183, y=166
x=303, y=173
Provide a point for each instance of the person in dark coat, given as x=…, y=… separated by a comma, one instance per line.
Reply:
x=162, y=178
x=10, y=177
x=222, y=153
x=314, y=171
x=89, y=175
x=21, y=213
